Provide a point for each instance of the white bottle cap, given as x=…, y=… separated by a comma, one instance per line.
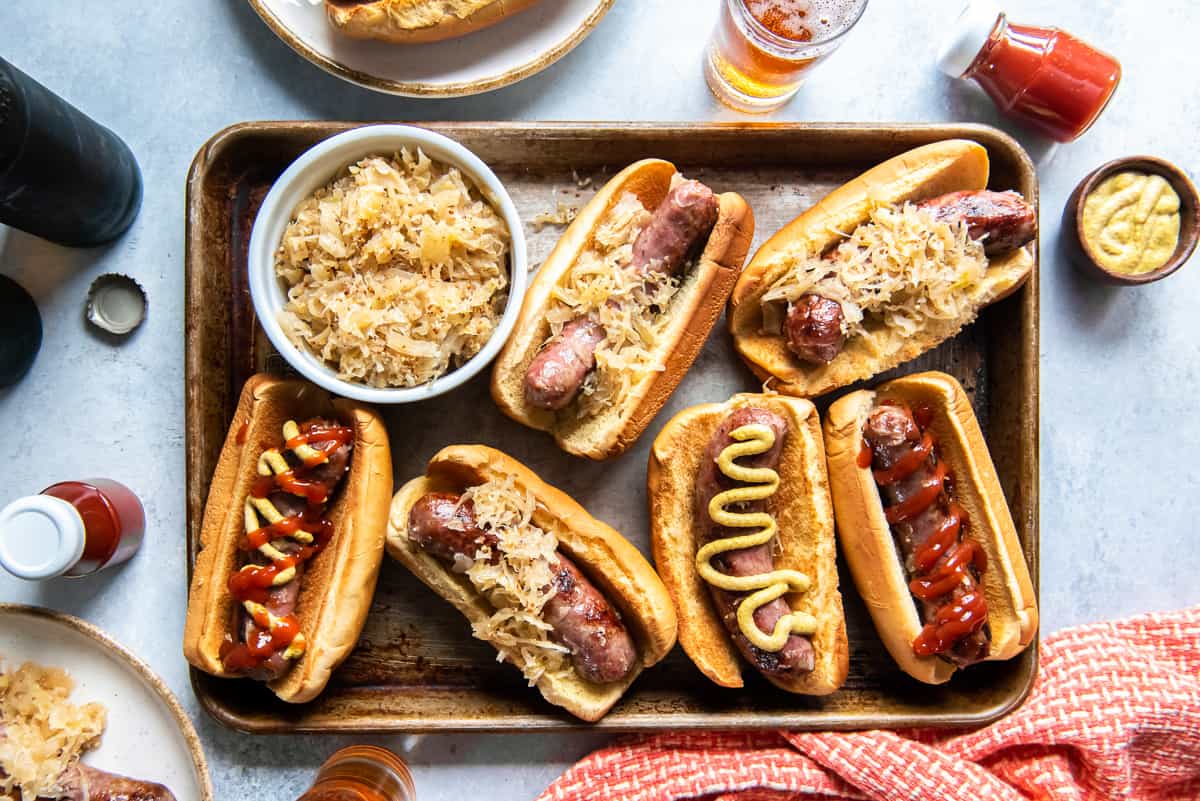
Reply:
x=967, y=36
x=40, y=537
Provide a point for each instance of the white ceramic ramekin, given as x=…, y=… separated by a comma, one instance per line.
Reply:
x=316, y=168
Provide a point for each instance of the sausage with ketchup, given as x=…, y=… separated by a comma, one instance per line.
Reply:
x=925, y=528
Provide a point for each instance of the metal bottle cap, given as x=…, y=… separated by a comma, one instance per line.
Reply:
x=40, y=537
x=116, y=303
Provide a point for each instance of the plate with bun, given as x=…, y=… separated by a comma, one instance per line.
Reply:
x=432, y=48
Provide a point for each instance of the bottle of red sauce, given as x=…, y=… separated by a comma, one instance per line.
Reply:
x=71, y=529
x=362, y=773
x=1043, y=77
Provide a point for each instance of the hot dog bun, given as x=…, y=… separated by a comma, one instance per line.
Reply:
x=922, y=173
x=693, y=311
x=417, y=21
x=867, y=539
x=802, y=509
x=614, y=565
x=336, y=588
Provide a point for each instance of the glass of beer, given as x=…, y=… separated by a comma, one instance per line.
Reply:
x=761, y=50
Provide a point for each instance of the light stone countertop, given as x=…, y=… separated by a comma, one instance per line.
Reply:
x=1119, y=366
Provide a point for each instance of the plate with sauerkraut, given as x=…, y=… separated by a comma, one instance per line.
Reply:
x=82, y=718
x=384, y=264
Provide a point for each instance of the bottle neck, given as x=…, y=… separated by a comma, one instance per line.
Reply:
x=999, y=31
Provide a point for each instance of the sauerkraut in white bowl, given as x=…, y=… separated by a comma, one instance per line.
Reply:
x=388, y=264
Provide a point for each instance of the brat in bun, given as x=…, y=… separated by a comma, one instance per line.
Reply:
x=621, y=308
x=292, y=538
x=417, y=21
x=742, y=529
x=560, y=595
x=881, y=270
x=925, y=528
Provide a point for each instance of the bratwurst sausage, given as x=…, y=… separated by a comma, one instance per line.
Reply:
x=582, y=619
x=929, y=526
x=797, y=655
x=1003, y=221
x=676, y=227
x=84, y=783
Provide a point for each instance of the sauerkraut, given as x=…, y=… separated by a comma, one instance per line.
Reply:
x=42, y=734
x=396, y=272
x=625, y=304
x=519, y=582
x=902, y=268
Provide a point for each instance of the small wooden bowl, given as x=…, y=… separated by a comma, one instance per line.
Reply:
x=1189, y=222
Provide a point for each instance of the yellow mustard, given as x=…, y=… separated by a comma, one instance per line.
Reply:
x=751, y=440
x=1131, y=222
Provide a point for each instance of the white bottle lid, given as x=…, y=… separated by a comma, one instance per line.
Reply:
x=40, y=537
x=967, y=36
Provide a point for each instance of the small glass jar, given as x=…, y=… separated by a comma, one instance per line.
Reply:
x=73, y=529
x=1044, y=77
x=362, y=773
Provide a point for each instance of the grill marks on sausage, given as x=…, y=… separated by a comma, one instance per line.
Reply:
x=677, y=228
x=84, y=783
x=1003, y=221
x=582, y=619
x=893, y=432
x=797, y=655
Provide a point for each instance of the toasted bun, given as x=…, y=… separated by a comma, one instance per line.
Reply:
x=693, y=311
x=867, y=539
x=919, y=174
x=615, y=566
x=337, y=587
x=418, y=21
x=801, y=508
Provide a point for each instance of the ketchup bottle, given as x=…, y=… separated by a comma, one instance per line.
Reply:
x=71, y=529
x=1043, y=77
x=362, y=773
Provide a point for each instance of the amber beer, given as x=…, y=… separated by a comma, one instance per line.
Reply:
x=362, y=773
x=761, y=50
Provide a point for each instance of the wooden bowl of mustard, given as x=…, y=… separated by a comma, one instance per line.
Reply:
x=1133, y=221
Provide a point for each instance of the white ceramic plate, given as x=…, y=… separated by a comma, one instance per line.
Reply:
x=522, y=45
x=148, y=735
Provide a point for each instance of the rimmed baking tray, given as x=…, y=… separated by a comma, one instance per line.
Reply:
x=416, y=667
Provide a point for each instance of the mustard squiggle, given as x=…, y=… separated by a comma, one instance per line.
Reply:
x=762, y=483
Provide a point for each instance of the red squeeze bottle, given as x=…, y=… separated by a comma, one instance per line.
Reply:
x=72, y=528
x=1044, y=77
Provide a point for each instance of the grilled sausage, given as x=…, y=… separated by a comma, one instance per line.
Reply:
x=557, y=372
x=676, y=228
x=683, y=219
x=797, y=655
x=897, y=444
x=281, y=600
x=84, y=783
x=1003, y=220
x=814, y=329
x=582, y=619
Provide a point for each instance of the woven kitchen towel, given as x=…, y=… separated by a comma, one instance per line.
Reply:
x=1114, y=714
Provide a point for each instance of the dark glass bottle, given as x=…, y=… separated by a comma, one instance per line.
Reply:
x=63, y=176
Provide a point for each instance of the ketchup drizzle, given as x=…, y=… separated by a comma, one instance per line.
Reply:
x=947, y=564
x=255, y=582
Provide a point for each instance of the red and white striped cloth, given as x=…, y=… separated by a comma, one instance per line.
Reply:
x=1114, y=714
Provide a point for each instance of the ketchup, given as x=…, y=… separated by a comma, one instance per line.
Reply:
x=73, y=529
x=947, y=564
x=1044, y=77
x=267, y=633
